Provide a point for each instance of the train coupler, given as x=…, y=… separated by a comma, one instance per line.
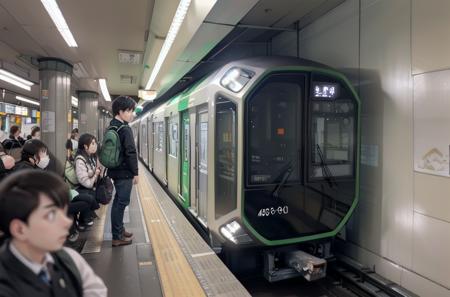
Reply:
x=296, y=263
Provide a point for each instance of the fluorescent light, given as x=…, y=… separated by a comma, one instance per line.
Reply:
x=147, y=95
x=15, y=80
x=55, y=13
x=20, y=98
x=75, y=101
x=104, y=89
x=180, y=14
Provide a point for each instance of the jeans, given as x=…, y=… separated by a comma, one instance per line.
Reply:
x=121, y=200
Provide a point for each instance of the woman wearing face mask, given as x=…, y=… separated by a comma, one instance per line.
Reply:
x=34, y=155
x=87, y=167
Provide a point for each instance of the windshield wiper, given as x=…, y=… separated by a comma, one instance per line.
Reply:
x=325, y=170
x=286, y=174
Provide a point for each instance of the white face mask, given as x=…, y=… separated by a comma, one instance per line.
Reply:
x=43, y=163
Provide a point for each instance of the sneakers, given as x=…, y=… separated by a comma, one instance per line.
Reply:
x=85, y=226
x=73, y=236
x=123, y=241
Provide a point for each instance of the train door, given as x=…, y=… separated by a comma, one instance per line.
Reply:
x=201, y=163
x=185, y=151
x=166, y=150
x=150, y=134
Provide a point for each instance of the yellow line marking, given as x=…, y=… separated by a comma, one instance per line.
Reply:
x=176, y=275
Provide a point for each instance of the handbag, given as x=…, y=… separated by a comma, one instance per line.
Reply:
x=104, y=190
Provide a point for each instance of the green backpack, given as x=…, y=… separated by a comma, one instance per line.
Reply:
x=110, y=155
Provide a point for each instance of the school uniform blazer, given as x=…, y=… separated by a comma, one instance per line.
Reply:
x=17, y=280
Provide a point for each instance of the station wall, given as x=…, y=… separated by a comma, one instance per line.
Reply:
x=402, y=224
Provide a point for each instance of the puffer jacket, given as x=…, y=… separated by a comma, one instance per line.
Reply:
x=85, y=171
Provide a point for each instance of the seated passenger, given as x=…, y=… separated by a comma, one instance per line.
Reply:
x=87, y=166
x=34, y=155
x=33, y=261
x=79, y=210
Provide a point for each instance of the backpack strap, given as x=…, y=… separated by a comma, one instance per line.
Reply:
x=66, y=260
x=117, y=128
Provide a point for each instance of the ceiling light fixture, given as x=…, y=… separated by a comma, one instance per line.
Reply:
x=147, y=95
x=180, y=14
x=23, y=99
x=55, y=13
x=15, y=80
x=104, y=89
x=74, y=101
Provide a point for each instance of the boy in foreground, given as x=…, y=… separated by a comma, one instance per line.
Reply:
x=33, y=262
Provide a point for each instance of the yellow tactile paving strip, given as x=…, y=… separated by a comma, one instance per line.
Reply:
x=176, y=275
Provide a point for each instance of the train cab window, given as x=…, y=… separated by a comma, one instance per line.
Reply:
x=332, y=149
x=226, y=167
x=274, y=129
x=173, y=137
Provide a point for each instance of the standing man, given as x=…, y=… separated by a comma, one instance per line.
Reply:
x=126, y=174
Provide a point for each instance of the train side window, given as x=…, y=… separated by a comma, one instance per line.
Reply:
x=173, y=137
x=226, y=158
x=159, y=136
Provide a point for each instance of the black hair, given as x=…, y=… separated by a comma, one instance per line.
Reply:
x=72, y=134
x=123, y=103
x=21, y=192
x=31, y=149
x=13, y=130
x=35, y=130
x=85, y=139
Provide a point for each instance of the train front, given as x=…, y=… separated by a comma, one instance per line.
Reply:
x=301, y=156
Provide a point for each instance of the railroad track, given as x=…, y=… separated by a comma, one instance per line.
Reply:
x=362, y=281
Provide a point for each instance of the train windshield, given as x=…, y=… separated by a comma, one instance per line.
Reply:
x=274, y=127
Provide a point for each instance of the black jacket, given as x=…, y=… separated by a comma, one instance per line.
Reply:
x=11, y=143
x=22, y=165
x=129, y=167
x=3, y=171
x=17, y=280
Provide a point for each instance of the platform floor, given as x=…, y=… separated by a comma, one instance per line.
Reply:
x=128, y=270
x=167, y=256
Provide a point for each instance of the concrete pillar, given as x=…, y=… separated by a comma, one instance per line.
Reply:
x=55, y=79
x=88, y=112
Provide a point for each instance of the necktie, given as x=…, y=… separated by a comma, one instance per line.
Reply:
x=44, y=277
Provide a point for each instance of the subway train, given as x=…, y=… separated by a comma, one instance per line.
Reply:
x=263, y=152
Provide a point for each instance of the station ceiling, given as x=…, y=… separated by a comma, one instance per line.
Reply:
x=105, y=28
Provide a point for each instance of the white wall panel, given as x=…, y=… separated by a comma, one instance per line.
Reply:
x=285, y=44
x=333, y=39
x=431, y=249
x=431, y=196
x=430, y=35
x=422, y=286
x=385, y=48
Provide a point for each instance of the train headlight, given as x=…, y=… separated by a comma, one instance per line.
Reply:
x=235, y=233
x=235, y=79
